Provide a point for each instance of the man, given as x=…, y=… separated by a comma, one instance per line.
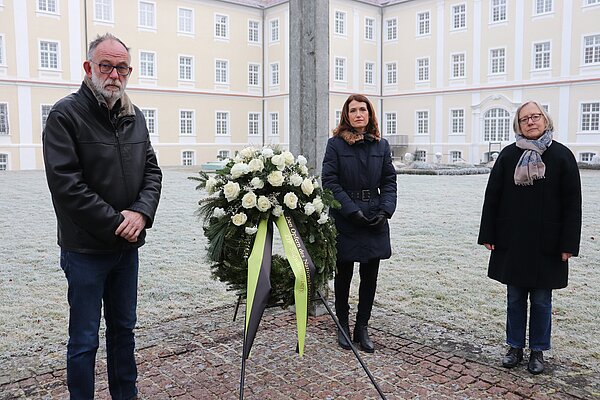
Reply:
x=105, y=184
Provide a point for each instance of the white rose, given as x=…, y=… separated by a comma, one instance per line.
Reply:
x=290, y=200
x=218, y=212
x=296, y=180
x=238, y=158
x=304, y=170
x=309, y=208
x=239, y=219
x=288, y=157
x=256, y=165
x=323, y=219
x=316, y=183
x=275, y=178
x=267, y=152
x=277, y=211
x=248, y=152
x=307, y=187
x=278, y=161
x=249, y=200
x=263, y=204
x=231, y=190
x=257, y=183
x=239, y=169
x=302, y=160
x=251, y=230
x=210, y=185
x=318, y=203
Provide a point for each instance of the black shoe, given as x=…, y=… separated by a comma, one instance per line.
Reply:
x=536, y=362
x=361, y=335
x=512, y=358
x=344, y=344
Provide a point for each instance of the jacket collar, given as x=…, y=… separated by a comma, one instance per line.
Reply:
x=354, y=137
x=124, y=104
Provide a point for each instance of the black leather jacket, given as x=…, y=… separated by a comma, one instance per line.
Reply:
x=98, y=163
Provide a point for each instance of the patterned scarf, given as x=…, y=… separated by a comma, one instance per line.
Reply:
x=530, y=166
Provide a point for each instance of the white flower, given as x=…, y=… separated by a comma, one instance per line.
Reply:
x=307, y=187
x=239, y=219
x=251, y=230
x=316, y=184
x=238, y=158
x=257, y=183
x=288, y=157
x=218, y=212
x=323, y=219
x=231, y=190
x=318, y=203
x=296, y=180
x=263, y=204
x=304, y=170
x=239, y=169
x=275, y=178
x=210, y=185
x=290, y=200
x=267, y=152
x=278, y=161
x=302, y=160
x=256, y=165
x=309, y=208
x=248, y=152
x=277, y=211
x=249, y=200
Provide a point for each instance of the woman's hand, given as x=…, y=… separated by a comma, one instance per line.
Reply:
x=488, y=246
x=359, y=219
x=566, y=256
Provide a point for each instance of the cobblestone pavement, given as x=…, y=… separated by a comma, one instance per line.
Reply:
x=198, y=357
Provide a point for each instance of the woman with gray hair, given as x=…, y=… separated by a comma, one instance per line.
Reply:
x=531, y=223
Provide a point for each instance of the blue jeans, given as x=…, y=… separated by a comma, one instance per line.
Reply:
x=540, y=317
x=95, y=279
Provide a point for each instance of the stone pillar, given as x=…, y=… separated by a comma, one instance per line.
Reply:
x=309, y=80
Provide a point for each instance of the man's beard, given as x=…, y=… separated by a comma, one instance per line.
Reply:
x=110, y=96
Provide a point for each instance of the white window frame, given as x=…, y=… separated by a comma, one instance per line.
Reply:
x=186, y=71
x=339, y=22
x=588, y=3
x=498, y=11
x=274, y=30
x=221, y=71
x=546, y=6
x=3, y=162
x=589, y=117
x=253, y=31
x=151, y=120
x=423, y=23
x=496, y=128
x=458, y=65
x=223, y=154
x=45, y=7
x=369, y=73
x=541, y=56
x=147, y=18
x=420, y=155
x=497, y=61
x=338, y=117
x=586, y=156
x=274, y=74
x=44, y=115
x=253, y=74
x=591, y=49
x=422, y=122
x=106, y=6
x=391, y=73
x=274, y=124
x=222, y=124
x=253, y=124
x=4, y=122
x=185, y=22
x=146, y=65
x=339, y=69
x=391, y=123
x=49, y=52
x=422, y=68
x=2, y=50
x=188, y=158
x=391, y=29
x=455, y=156
x=458, y=19
x=457, y=121
x=187, y=122
x=221, y=30
x=369, y=28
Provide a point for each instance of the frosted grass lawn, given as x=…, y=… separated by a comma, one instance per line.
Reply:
x=433, y=289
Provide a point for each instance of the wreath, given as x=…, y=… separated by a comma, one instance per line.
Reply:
x=264, y=184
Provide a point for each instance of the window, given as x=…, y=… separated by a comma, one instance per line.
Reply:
x=457, y=121
x=458, y=65
x=590, y=117
x=541, y=55
x=391, y=29
x=274, y=27
x=3, y=162
x=221, y=26
x=583, y=157
x=498, y=10
x=422, y=69
x=275, y=74
x=422, y=122
x=496, y=125
x=274, y=124
x=186, y=68
x=459, y=16
x=186, y=122
x=147, y=64
x=591, y=2
x=253, y=31
x=223, y=155
x=391, y=124
x=3, y=119
x=2, y=59
x=253, y=74
x=221, y=71
x=423, y=23
x=49, y=55
x=147, y=15
x=185, y=20
x=187, y=158
x=103, y=10
x=497, y=61
x=543, y=6
x=455, y=156
x=369, y=68
x=390, y=73
x=150, y=116
x=340, y=23
x=340, y=69
x=45, y=110
x=253, y=124
x=222, y=123
x=420, y=155
x=48, y=6
x=591, y=49
x=338, y=117
x=369, y=29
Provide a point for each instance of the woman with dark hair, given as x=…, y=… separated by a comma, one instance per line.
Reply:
x=358, y=169
x=531, y=223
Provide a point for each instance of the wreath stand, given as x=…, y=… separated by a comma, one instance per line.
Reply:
x=337, y=323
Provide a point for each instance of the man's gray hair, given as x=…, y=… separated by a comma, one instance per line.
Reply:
x=99, y=39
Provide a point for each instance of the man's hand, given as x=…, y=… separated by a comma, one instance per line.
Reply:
x=131, y=226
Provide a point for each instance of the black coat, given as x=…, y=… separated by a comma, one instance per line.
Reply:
x=530, y=226
x=350, y=168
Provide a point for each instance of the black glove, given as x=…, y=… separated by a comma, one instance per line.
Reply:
x=378, y=220
x=359, y=219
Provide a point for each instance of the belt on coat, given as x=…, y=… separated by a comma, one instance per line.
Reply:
x=363, y=194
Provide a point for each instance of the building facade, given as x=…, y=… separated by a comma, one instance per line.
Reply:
x=211, y=76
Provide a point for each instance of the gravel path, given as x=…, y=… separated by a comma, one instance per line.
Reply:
x=435, y=283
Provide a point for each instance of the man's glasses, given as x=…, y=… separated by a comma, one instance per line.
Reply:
x=533, y=117
x=107, y=69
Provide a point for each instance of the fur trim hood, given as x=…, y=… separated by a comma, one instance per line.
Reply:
x=354, y=137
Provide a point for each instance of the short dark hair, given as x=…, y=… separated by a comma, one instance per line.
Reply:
x=344, y=125
x=99, y=39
